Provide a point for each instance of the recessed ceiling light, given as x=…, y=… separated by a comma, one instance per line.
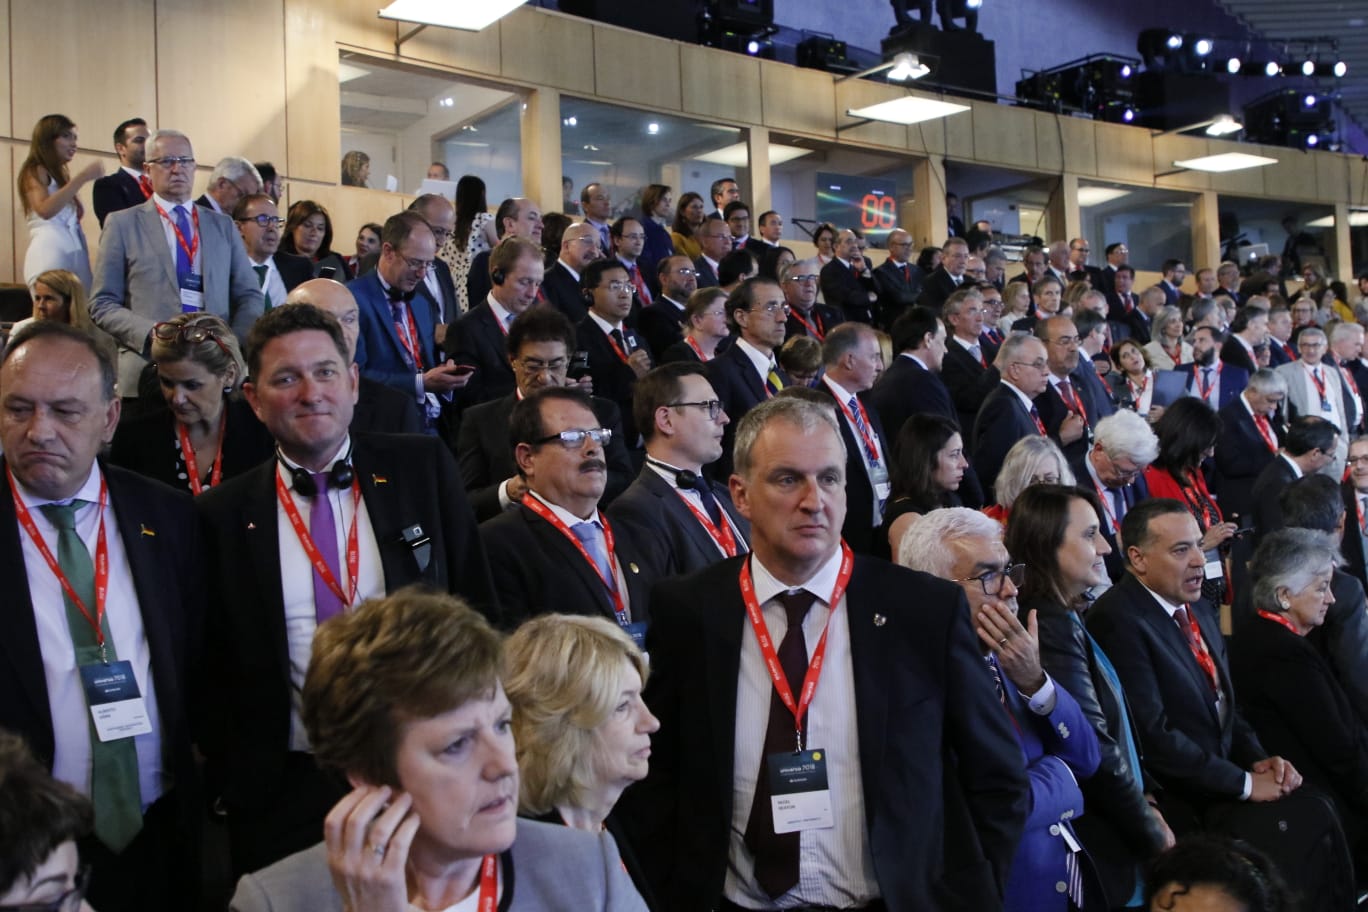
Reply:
x=1226, y=161
x=909, y=109
x=467, y=15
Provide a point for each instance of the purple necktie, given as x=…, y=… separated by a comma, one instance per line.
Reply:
x=323, y=531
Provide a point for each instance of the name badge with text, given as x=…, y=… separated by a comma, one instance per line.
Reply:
x=800, y=798
x=116, y=704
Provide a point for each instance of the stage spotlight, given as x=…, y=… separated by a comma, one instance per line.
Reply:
x=1341, y=68
x=1308, y=67
x=1233, y=65
x=1128, y=115
x=1312, y=140
x=1126, y=71
x=752, y=47
x=1309, y=101
x=1201, y=47
x=1174, y=41
x=1271, y=68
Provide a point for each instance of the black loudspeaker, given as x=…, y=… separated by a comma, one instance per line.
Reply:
x=959, y=60
x=1167, y=100
x=677, y=19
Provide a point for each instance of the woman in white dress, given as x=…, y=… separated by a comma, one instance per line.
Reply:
x=48, y=193
x=474, y=234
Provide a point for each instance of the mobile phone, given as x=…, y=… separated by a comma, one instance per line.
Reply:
x=462, y=370
x=579, y=365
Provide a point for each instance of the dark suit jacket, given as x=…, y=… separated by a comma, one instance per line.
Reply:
x=383, y=409
x=1241, y=454
x=1187, y=747
x=706, y=276
x=486, y=455
x=896, y=293
x=294, y=270
x=477, y=279
x=919, y=667
x=936, y=288
x=379, y=353
x=1052, y=410
x=823, y=317
x=562, y=290
x=1264, y=509
x=1234, y=354
x=847, y=292
x=670, y=541
x=658, y=247
x=1131, y=494
x=861, y=525
x=1140, y=325
x=114, y=192
x=1277, y=355
x=1233, y=381
x=148, y=445
x=538, y=571
x=908, y=389
x=1354, y=545
x=447, y=312
x=613, y=380
x=406, y=480
x=1001, y=423
x=660, y=323
x=477, y=339
x=1172, y=295
x=969, y=383
x=740, y=388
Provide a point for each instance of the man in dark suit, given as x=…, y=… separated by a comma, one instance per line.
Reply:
x=515, y=217
x=379, y=409
x=1165, y=642
x=714, y=237
x=851, y=360
x=438, y=285
x=554, y=551
x=1207, y=378
x=912, y=385
x=681, y=521
x=897, y=281
x=1248, y=330
x=128, y=186
x=1009, y=413
x=1172, y=274
x=579, y=248
x=61, y=410
x=1034, y=265
x=845, y=281
x=662, y=321
x=1346, y=350
x=1355, y=488
x=967, y=370
x=707, y=798
x=383, y=511
x=1280, y=348
x=1079, y=250
x=806, y=316
x=259, y=223
x=1066, y=407
x=948, y=277
x=1309, y=446
x=1228, y=283
x=1140, y=320
x=1116, y=253
x=479, y=337
x=1113, y=468
x=747, y=373
x=1252, y=429
x=397, y=345
x=617, y=355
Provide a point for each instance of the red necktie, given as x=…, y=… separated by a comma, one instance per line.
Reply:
x=1199, y=649
x=1266, y=432
x=642, y=291
x=145, y=186
x=907, y=273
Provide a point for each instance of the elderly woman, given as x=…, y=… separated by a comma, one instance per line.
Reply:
x=705, y=327
x=1031, y=460
x=404, y=696
x=927, y=468
x=1167, y=348
x=40, y=868
x=1056, y=532
x=309, y=233
x=207, y=434
x=1133, y=380
x=1288, y=690
x=582, y=731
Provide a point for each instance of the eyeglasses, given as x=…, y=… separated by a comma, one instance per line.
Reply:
x=418, y=265
x=1358, y=460
x=713, y=406
x=69, y=901
x=265, y=221
x=534, y=366
x=802, y=278
x=1066, y=341
x=618, y=287
x=773, y=307
x=170, y=162
x=1039, y=364
x=686, y=272
x=991, y=581
x=573, y=438
x=189, y=334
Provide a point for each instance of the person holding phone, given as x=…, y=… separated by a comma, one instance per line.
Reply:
x=617, y=355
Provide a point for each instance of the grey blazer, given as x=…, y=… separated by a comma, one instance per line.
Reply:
x=550, y=868
x=1299, y=404
x=135, y=281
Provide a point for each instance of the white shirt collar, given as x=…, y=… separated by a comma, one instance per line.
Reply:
x=916, y=358
x=131, y=172
x=88, y=491
x=820, y=584
x=966, y=345
x=1026, y=401
x=673, y=303
x=342, y=451
x=564, y=515
x=1292, y=462
x=842, y=394
x=569, y=269
x=710, y=261
x=604, y=324
x=761, y=360
x=1169, y=607
x=500, y=313
x=169, y=206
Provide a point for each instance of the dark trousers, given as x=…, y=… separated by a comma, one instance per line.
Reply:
x=157, y=872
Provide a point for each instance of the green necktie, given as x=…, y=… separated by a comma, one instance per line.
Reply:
x=261, y=283
x=114, y=777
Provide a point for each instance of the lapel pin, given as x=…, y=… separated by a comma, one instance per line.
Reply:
x=379, y=479
x=251, y=526
x=880, y=620
x=146, y=531
x=633, y=567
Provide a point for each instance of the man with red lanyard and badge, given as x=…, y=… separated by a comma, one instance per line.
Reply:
x=555, y=551
x=100, y=620
x=1210, y=379
x=1355, y=490
x=1314, y=388
x=617, y=355
x=1067, y=407
x=681, y=521
x=169, y=256
x=851, y=360
x=779, y=777
x=1252, y=429
x=332, y=519
x=806, y=316
x=1114, y=468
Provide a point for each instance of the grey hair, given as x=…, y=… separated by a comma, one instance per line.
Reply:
x=803, y=414
x=925, y=546
x=1290, y=559
x=1266, y=380
x=165, y=134
x=1166, y=315
x=1127, y=434
x=1011, y=348
x=799, y=267
x=1027, y=457
x=1312, y=332
x=955, y=302
x=232, y=169
x=1344, y=329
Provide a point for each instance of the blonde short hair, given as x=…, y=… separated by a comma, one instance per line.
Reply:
x=564, y=681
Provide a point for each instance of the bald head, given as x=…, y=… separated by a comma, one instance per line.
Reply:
x=333, y=297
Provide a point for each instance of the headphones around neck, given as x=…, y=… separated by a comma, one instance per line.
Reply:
x=340, y=475
x=685, y=479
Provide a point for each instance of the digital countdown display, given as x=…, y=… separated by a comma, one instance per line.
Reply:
x=851, y=201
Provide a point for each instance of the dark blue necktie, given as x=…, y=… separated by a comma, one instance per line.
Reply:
x=183, y=265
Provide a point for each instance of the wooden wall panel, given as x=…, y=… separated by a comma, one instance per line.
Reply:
x=549, y=49
x=721, y=86
x=100, y=73
x=1124, y=153
x=799, y=100
x=358, y=25
x=1169, y=149
x=1004, y=135
x=959, y=135
x=860, y=93
x=5, y=126
x=229, y=103
x=477, y=52
x=1332, y=177
x=1049, y=140
x=350, y=208
x=1293, y=177
x=10, y=156
x=1080, y=144
x=638, y=69
x=313, y=121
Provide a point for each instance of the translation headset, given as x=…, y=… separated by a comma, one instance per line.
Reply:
x=340, y=475
x=685, y=479
x=497, y=276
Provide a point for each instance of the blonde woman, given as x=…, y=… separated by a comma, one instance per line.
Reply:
x=48, y=194
x=1168, y=349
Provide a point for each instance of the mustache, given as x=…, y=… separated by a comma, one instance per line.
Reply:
x=590, y=465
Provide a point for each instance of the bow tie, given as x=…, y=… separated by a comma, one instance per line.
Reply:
x=395, y=295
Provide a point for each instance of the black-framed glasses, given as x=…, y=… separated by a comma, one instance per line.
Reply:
x=189, y=334
x=265, y=221
x=713, y=407
x=69, y=901
x=573, y=438
x=535, y=366
x=991, y=581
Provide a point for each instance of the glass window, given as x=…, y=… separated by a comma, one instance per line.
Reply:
x=1156, y=225
x=812, y=182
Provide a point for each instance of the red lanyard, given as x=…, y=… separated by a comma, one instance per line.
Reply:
x=617, y=349
x=489, y=884
x=776, y=671
x=614, y=590
x=1204, y=389
x=1199, y=649
x=1176, y=356
x=1199, y=498
x=1278, y=619
x=1107, y=506
x=1138, y=394
x=408, y=337
x=1074, y=403
x=1318, y=383
x=1040, y=425
x=188, y=452
x=812, y=330
x=697, y=350
x=723, y=536
x=871, y=442
x=101, y=561
x=1349, y=379
x=192, y=247
x=306, y=540
x=1266, y=432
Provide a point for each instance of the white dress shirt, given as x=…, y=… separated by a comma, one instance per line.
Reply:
x=763, y=361
x=196, y=264
x=843, y=396
x=693, y=497
x=274, y=286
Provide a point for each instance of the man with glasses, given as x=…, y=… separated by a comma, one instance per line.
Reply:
x=168, y=256
x=748, y=373
x=617, y=355
x=515, y=217
x=715, y=239
x=1079, y=250
x=1057, y=742
x=738, y=218
x=397, y=344
x=1009, y=413
x=480, y=337
x=683, y=521
x=554, y=551
x=897, y=280
x=806, y=316
x=845, y=281
x=579, y=248
x=538, y=348
x=1067, y=407
x=1114, y=469
x=662, y=321
x=629, y=239
x=438, y=283
x=1253, y=426
x=967, y=369
x=232, y=179
x=259, y=223
x=946, y=278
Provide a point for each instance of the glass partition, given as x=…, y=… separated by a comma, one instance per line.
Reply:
x=814, y=182
x=1156, y=225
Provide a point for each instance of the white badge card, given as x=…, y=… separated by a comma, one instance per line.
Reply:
x=115, y=702
x=800, y=798
x=1213, y=568
x=878, y=477
x=192, y=293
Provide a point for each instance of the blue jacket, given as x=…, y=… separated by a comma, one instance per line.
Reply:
x=379, y=353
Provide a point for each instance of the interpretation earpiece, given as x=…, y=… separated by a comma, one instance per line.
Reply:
x=497, y=276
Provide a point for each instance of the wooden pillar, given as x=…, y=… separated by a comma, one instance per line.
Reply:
x=925, y=217
x=1063, y=220
x=1342, y=250
x=541, y=149
x=1206, y=231
x=758, y=180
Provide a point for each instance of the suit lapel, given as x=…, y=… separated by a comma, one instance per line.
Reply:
x=261, y=527
x=1174, y=640
x=154, y=239
x=870, y=657
x=557, y=543
x=723, y=630
x=380, y=495
x=673, y=504
x=18, y=630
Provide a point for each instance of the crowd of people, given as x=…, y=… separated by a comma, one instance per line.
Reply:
x=371, y=580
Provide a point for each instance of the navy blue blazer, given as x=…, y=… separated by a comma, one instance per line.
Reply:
x=740, y=389
x=861, y=526
x=1241, y=454
x=968, y=381
x=660, y=322
x=477, y=339
x=908, y=389
x=895, y=292
x=614, y=380
x=1001, y=423
x=379, y=353
x=670, y=540
x=658, y=247
x=563, y=290
x=707, y=278
x=114, y=192
x=1233, y=381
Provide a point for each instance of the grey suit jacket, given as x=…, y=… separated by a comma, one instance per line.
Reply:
x=135, y=281
x=550, y=867
x=1299, y=404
